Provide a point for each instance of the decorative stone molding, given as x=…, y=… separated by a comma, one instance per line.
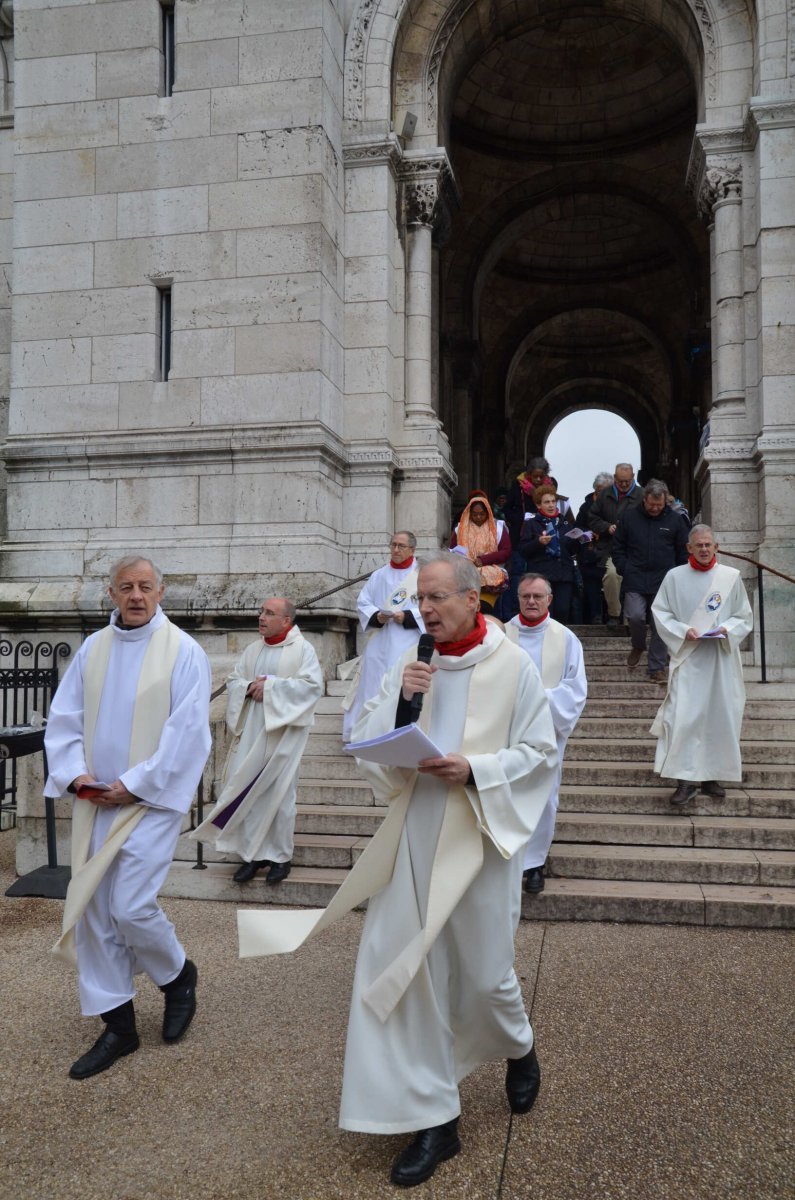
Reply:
x=355, y=54
x=7, y=19
x=445, y=30
x=701, y=11
x=768, y=114
x=373, y=153
x=715, y=170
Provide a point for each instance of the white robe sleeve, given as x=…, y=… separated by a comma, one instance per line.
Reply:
x=741, y=621
x=170, y=777
x=237, y=686
x=670, y=627
x=292, y=701
x=63, y=737
x=366, y=603
x=567, y=700
x=513, y=784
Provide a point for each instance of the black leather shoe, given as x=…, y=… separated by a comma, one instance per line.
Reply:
x=522, y=1081
x=418, y=1161
x=278, y=872
x=534, y=880
x=713, y=788
x=180, y=1002
x=684, y=793
x=106, y=1049
x=246, y=871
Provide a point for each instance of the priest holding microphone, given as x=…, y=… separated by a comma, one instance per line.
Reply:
x=435, y=994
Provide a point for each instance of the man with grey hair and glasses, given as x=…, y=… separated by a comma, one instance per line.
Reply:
x=651, y=539
x=128, y=735
x=389, y=615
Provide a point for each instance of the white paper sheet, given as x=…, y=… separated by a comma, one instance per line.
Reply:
x=404, y=747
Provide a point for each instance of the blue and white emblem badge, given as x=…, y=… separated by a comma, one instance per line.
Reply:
x=713, y=602
x=399, y=596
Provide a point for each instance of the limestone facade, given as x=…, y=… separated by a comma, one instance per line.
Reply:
x=388, y=244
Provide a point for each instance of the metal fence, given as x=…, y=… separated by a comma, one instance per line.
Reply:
x=28, y=679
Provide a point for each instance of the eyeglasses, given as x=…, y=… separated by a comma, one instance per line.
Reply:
x=399, y=546
x=534, y=596
x=438, y=597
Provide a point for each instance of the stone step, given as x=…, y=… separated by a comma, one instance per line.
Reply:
x=738, y=802
x=328, y=767
x=652, y=829
x=606, y=705
x=639, y=749
x=662, y=903
x=675, y=864
x=562, y=899
x=334, y=792
x=638, y=727
x=625, y=774
x=354, y=819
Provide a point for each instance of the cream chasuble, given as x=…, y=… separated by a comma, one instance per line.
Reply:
x=151, y=711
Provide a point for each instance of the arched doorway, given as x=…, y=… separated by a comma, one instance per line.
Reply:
x=576, y=269
x=586, y=441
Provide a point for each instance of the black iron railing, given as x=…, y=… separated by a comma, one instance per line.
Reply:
x=760, y=592
x=28, y=679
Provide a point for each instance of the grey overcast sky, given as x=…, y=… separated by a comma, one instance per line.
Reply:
x=585, y=443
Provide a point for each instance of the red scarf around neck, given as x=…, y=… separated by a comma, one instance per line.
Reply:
x=456, y=649
x=530, y=623
x=404, y=566
x=697, y=565
x=275, y=641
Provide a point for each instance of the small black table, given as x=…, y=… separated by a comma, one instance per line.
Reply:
x=50, y=881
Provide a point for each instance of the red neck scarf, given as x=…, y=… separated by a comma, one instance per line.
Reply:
x=276, y=641
x=530, y=623
x=456, y=649
x=404, y=566
x=697, y=565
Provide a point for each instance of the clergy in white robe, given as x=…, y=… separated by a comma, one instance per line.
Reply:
x=703, y=616
x=388, y=613
x=435, y=993
x=272, y=695
x=557, y=655
x=131, y=714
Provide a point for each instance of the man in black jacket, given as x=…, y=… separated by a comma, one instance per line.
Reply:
x=650, y=539
x=603, y=518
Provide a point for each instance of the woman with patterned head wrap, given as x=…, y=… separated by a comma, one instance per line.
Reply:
x=487, y=545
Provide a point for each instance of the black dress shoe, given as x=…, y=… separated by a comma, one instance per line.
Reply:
x=246, y=871
x=418, y=1161
x=278, y=872
x=534, y=880
x=522, y=1081
x=106, y=1049
x=180, y=1002
x=684, y=793
x=713, y=788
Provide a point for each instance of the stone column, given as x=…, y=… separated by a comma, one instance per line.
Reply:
x=722, y=194
x=421, y=203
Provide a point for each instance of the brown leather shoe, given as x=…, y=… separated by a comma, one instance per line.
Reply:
x=684, y=793
x=712, y=788
x=658, y=677
x=634, y=657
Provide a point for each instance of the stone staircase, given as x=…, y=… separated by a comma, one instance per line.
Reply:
x=621, y=852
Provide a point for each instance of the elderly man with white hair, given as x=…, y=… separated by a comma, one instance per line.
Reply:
x=703, y=616
x=128, y=734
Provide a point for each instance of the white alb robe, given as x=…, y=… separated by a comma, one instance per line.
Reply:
x=463, y=1007
x=123, y=930
x=264, y=760
x=698, y=724
x=566, y=702
x=388, y=589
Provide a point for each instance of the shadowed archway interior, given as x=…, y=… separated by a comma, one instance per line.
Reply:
x=576, y=272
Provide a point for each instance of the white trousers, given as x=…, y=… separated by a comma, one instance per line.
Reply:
x=124, y=930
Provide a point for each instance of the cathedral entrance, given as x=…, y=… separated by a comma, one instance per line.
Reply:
x=576, y=270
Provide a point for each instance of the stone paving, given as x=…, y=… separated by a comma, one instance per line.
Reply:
x=663, y=1048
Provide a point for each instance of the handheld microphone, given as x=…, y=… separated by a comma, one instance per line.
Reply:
x=425, y=648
